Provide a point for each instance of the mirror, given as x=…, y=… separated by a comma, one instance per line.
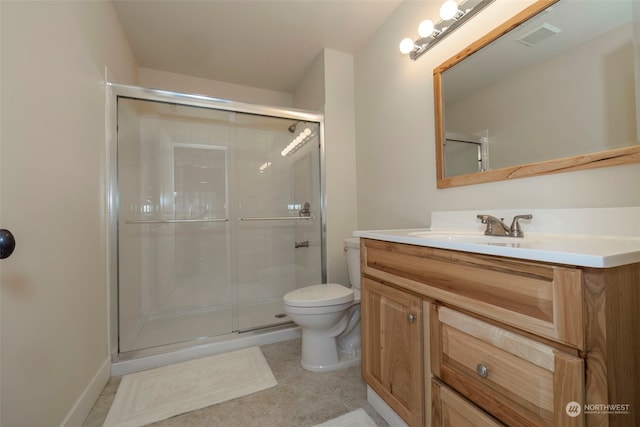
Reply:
x=551, y=90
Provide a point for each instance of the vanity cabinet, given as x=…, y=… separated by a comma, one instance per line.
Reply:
x=392, y=353
x=504, y=340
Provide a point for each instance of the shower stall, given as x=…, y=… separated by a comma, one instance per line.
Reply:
x=216, y=213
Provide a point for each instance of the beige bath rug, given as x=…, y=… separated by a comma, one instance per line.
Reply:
x=157, y=394
x=357, y=418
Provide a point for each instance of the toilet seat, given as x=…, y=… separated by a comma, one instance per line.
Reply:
x=319, y=296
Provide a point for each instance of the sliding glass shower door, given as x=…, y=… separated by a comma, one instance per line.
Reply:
x=217, y=220
x=277, y=240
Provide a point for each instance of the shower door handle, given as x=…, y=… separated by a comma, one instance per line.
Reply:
x=173, y=221
x=7, y=243
x=276, y=218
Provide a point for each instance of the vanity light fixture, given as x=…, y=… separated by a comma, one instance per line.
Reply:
x=452, y=17
x=449, y=10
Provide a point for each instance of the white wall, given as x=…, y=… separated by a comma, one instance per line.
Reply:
x=329, y=87
x=340, y=160
x=54, y=336
x=310, y=92
x=156, y=79
x=395, y=135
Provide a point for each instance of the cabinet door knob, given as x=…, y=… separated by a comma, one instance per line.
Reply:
x=7, y=243
x=482, y=370
x=411, y=318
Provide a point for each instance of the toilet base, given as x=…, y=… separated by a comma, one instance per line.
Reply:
x=338, y=348
x=345, y=360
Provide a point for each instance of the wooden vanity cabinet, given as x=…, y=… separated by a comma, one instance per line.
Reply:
x=511, y=341
x=392, y=353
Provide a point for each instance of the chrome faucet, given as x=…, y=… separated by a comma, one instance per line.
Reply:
x=495, y=226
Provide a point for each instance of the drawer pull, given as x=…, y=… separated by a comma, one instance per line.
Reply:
x=482, y=370
x=411, y=318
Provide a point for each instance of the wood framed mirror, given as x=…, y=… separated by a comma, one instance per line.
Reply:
x=551, y=90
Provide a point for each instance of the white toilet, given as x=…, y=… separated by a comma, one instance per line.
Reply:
x=329, y=318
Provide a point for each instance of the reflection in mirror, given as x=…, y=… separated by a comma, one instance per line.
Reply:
x=551, y=90
x=465, y=154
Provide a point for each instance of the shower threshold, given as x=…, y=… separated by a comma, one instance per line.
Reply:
x=140, y=360
x=194, y=324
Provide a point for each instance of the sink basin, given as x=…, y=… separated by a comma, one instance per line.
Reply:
x=469, y=238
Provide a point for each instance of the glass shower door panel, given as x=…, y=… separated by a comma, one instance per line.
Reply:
x=173, y=240
x=277, y=250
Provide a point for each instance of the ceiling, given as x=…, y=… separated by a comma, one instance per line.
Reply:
x=268, y=44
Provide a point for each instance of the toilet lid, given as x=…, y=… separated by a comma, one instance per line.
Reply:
x=319, y=295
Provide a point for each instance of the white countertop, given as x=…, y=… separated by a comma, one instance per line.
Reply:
x=571, y=249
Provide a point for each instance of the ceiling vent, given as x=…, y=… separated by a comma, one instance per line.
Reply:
x=539, y=34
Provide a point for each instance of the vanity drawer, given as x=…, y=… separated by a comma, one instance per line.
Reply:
x=544, y=299
x=518, y=380
x=451, y=409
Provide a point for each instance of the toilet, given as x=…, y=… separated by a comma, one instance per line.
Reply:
x=329, y=318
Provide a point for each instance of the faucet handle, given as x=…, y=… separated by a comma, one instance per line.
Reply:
x=515, y=229
x=495, y=226
x=484, y=218
x=488, y=219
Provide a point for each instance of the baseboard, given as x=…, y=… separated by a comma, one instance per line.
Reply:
x=385, y=411
x=90, y=394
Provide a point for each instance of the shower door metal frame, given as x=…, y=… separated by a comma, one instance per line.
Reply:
x=115, y=91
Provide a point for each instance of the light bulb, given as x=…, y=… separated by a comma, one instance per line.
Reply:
x=406, y=45
x=426, y=27
x=448, y=10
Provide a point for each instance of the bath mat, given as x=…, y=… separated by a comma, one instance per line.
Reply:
x=157, y=394
x=357, y=418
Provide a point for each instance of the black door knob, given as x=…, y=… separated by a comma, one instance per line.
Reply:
x=7, y=243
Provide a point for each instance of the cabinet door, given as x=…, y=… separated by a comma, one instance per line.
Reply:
x=391, y=326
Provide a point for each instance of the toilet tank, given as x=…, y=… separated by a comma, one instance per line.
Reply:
x=352, y=248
